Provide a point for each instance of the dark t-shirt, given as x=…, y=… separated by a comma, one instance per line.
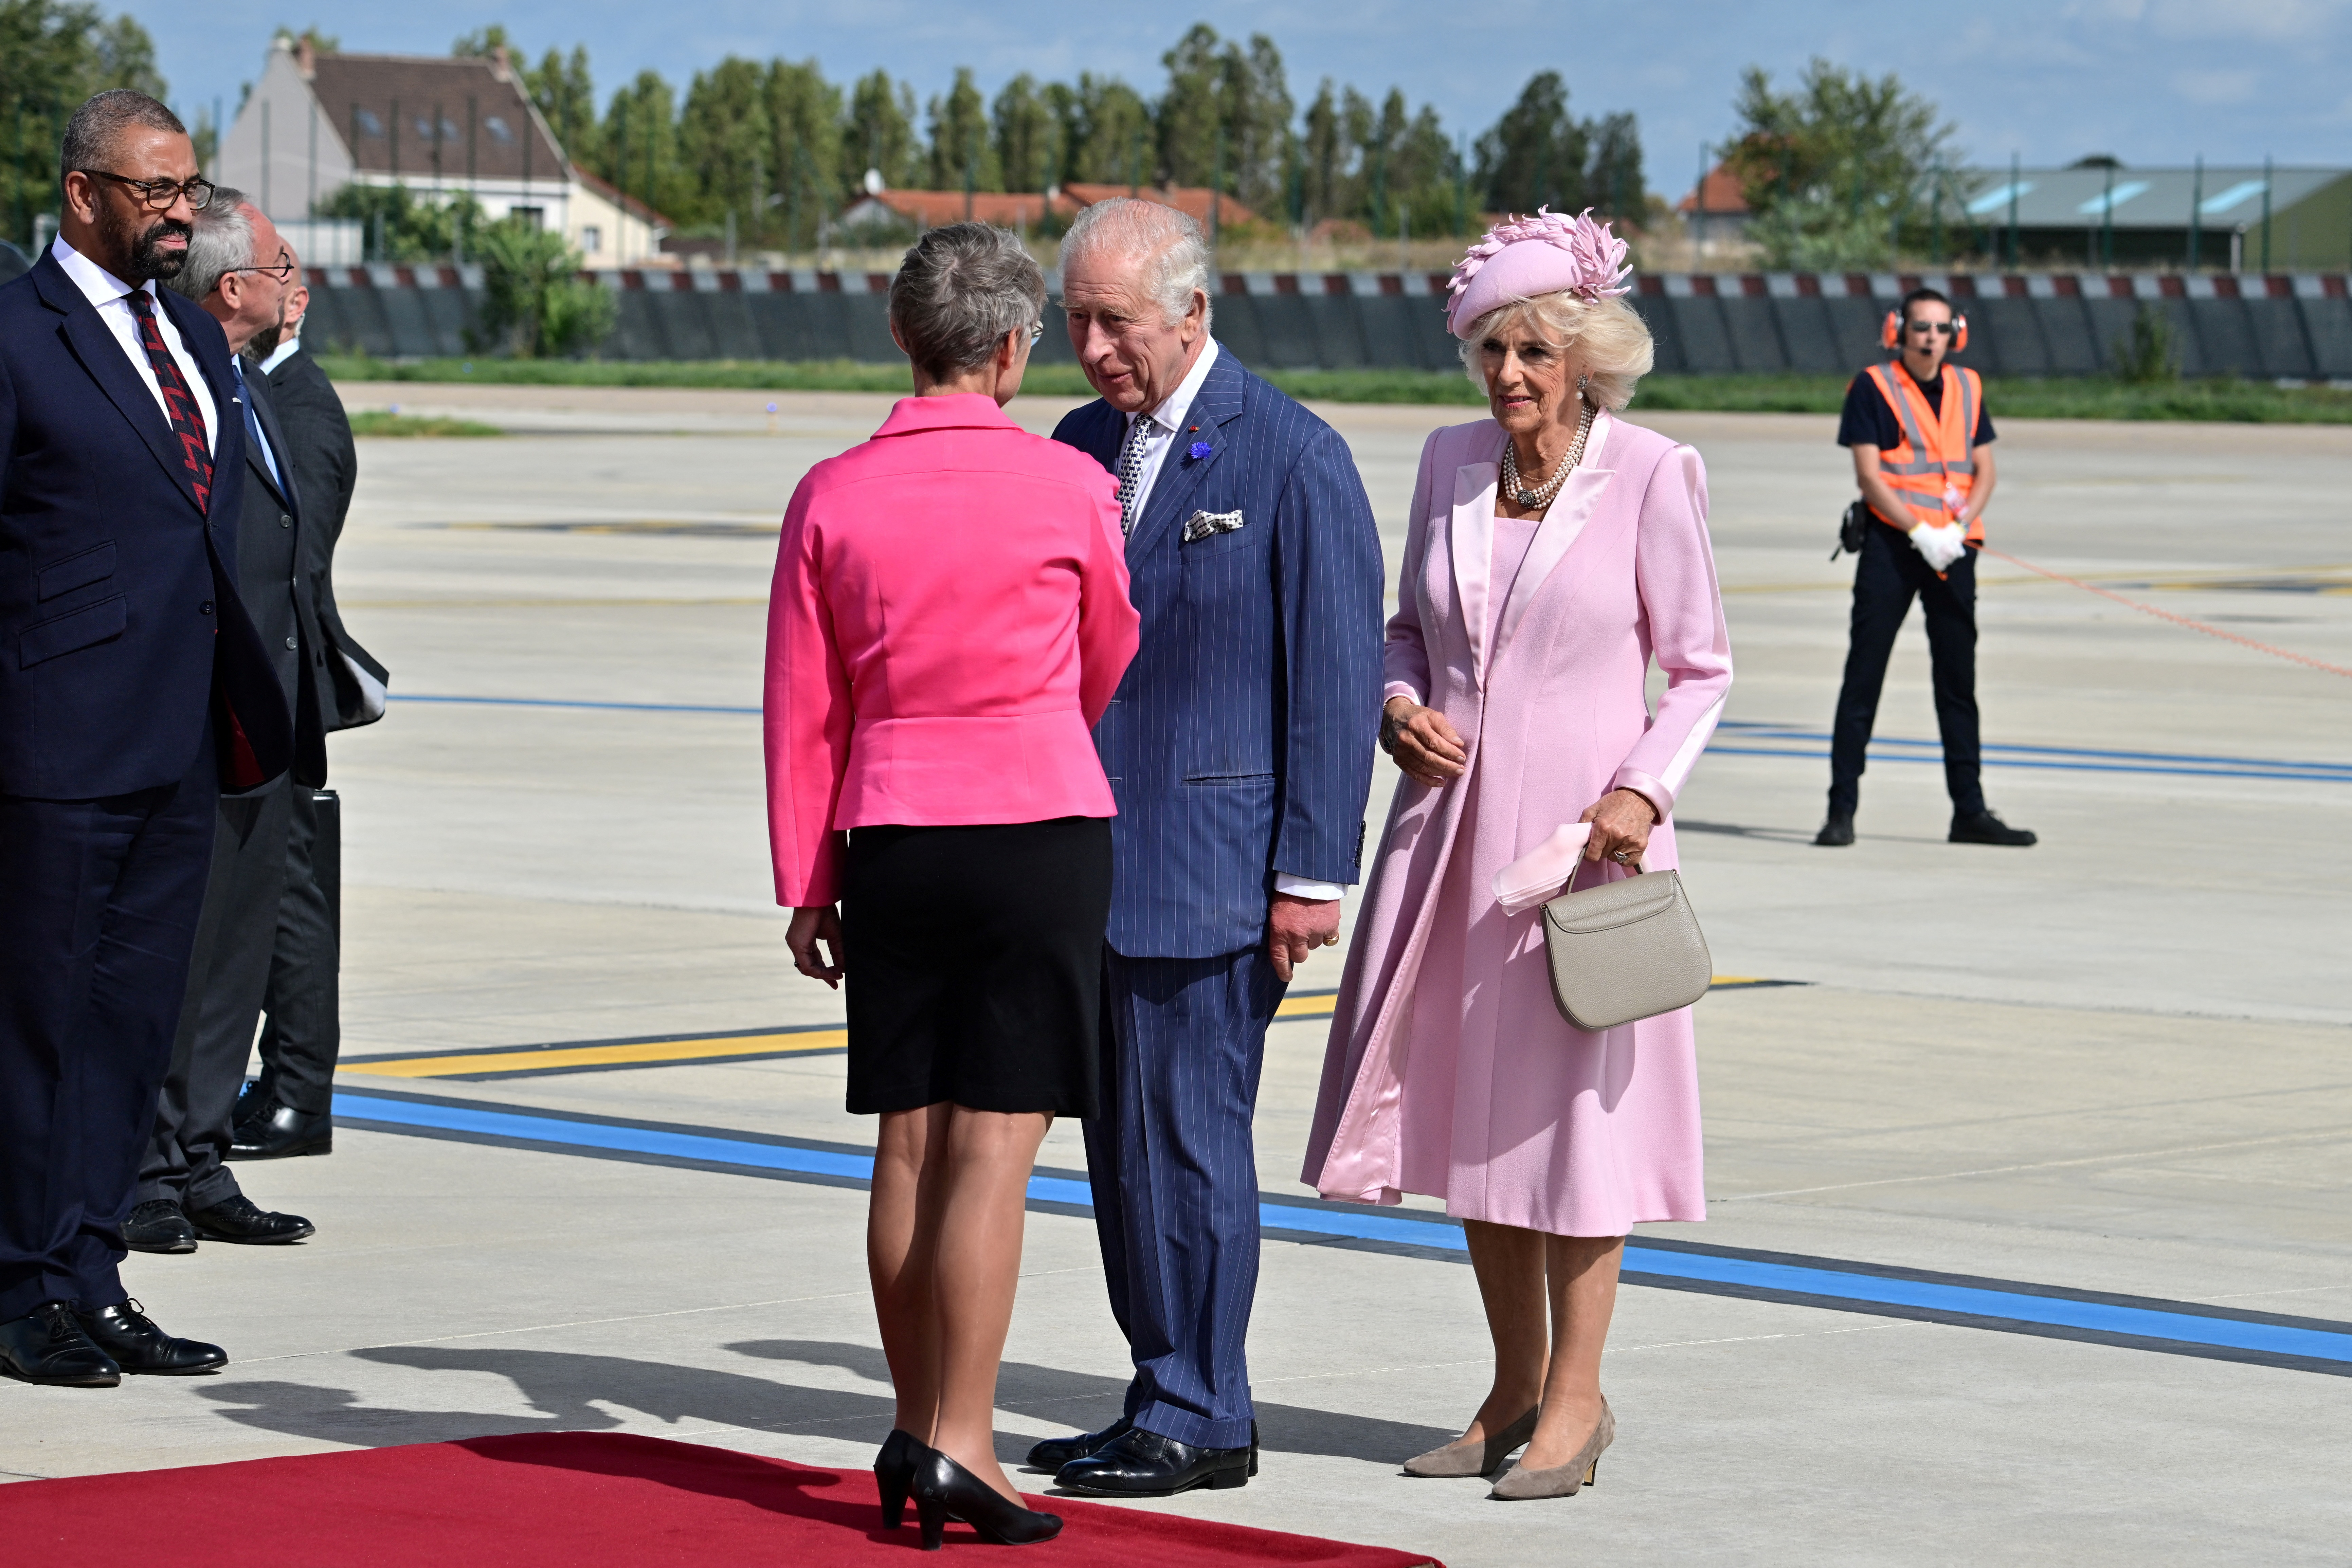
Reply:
x=1868, y=422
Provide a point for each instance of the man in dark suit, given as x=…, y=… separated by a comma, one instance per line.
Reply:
x=1240, y=751
x=239, y=272
x=289, y=1109
x=133, y=690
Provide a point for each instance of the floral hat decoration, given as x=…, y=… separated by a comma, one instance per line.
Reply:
x=1546, y=254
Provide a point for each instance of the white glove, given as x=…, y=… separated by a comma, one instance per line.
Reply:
x=1941, y=545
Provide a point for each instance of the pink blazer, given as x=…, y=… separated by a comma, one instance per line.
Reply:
x=949, y=618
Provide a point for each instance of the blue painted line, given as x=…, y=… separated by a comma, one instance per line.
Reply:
x=563, y=703
x=1798, y=732
x=1420, y=1229
x=1821, y=755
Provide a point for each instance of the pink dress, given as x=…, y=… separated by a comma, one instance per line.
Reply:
x=1450, y=1073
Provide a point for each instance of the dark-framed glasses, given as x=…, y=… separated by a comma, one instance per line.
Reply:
x=1941, y=329
x=280, y=269
x=158, y=195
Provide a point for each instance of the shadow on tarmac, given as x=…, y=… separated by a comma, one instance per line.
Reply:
x=575, y=1393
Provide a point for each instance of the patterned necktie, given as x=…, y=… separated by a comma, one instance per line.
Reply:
x=1130, y=471
x=179, y=404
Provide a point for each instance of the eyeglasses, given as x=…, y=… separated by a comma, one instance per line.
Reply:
x=281, y=269
x=1941, y=329
x=1036, y=331
x=158, y=195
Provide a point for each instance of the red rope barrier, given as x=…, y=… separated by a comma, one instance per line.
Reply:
x=2169, y=615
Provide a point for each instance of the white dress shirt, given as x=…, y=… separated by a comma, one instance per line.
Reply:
x=1167, y=424
x=283, y=352
x=112, y=297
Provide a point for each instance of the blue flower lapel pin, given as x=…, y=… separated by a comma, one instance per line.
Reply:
x=1199, y=449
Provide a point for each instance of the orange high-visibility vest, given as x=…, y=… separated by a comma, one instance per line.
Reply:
x=1935, y=467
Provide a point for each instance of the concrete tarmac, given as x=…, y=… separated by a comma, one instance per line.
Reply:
x=2115, y=1063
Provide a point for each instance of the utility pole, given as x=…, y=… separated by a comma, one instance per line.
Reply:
x=2107, y=223
x=2013, y=174
x=621, y=178
x=1699, y=208
x=2266, y=214
x=2196, y=210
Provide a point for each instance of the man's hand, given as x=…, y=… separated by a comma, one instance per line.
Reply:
x=1939, y=545
x=1427, y=747
x=809, y=927
x=1296, y=927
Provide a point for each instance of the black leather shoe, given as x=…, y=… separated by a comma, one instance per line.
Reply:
x=48, y=1345
x=894, y=1473
x=130, y=1336
x=276, y=1132
x=1055, y=1452
x=1145, y=1464
x=158, y=1226
x=1837, y=832
x=945, y=1489
x=1984, y=828
x=239, y=1218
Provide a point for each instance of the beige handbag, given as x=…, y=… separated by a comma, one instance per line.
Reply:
x=1625, y=950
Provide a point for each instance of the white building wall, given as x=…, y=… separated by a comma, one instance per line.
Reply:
x=281, y=151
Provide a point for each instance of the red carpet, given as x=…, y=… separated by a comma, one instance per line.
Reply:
x=568, y=1500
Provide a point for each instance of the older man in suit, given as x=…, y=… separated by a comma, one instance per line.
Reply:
x=237, y=269
x=133, y=690
x=288, y=1110
x=1239, y=748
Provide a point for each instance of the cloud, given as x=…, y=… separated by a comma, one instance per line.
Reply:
x=2216, y=86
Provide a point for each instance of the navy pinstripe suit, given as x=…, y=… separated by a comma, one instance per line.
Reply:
x=1240, y=743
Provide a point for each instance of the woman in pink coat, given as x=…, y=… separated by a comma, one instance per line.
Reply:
x=949, y=618
x=1553, y=551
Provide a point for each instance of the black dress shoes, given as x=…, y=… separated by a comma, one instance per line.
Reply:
x=945, y=1489
x=48, y=1345
x=1984, y=828
x=127, y=1335
x=1837, y=832
x=239, y=1218
x=158, y=1226
x=275, y=1132
x=1055, y=1452
x=1145, y=1464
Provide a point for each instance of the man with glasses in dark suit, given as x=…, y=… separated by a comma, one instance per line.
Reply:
x=133, y=692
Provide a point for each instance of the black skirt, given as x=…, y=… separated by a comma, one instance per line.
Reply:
x=974, y=965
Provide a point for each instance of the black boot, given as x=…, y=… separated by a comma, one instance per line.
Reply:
x=1837, y=832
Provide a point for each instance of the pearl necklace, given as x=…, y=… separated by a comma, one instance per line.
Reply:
x=1541, y=496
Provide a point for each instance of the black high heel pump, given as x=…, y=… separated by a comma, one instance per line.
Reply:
x=945, y=1489
x=894, y=1474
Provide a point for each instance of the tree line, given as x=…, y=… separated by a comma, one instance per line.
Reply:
x=52, y=56
x=784, y=148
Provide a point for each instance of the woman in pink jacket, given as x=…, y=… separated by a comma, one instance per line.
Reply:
x=1553, y=551
x=948, y=620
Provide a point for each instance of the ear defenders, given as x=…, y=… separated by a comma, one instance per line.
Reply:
x=1891, y=334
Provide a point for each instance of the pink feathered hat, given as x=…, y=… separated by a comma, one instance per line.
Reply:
x=1546, y=254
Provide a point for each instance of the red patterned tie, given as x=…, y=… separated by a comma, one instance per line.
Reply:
x=179, y=404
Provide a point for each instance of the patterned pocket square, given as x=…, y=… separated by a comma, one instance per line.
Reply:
x=1201, y=525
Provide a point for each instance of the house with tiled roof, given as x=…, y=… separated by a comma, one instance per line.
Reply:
x=316, y=122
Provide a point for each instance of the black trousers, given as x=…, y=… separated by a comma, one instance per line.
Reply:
x=228, y=971
x=302, y=1034
x=1887, y=576
x=99, y=905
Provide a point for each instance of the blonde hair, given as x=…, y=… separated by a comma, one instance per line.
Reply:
x=1609, y=333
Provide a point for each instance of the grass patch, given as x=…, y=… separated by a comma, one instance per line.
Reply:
x=376, y=422
x=2220, y=400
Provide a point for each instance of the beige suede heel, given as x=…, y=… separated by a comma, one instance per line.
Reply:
x=1518, y=1485
x=1463, y=1458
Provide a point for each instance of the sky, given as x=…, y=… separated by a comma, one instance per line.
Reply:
x=2149, y=81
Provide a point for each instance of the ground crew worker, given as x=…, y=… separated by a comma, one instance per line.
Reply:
x=1922, y=445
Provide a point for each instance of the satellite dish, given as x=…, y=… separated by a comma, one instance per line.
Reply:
x=873, y=182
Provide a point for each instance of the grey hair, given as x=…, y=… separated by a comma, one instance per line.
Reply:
x=1166, y=237
x=90, y=134
x=960, y=290
x=222, y=240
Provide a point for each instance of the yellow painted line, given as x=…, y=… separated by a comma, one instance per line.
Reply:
x=649, y=1053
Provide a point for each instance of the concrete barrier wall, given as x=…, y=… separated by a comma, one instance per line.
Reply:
x=2043, y=324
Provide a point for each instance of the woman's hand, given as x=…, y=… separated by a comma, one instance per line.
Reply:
x=1622, y=820
x=1426, y=746
x=809, y=927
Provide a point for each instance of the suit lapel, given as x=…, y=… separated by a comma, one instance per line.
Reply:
x=101, y=354
x=1181, y=473
x=267, y=417
x=1564, y=523
x=1470, y=542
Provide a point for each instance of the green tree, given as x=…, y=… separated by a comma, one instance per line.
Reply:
x=640, y=146
x=479, y=44
x=961, y=150
x=1226, y=106
x=804, y=159
x=1028, y=135
x=397, y=224
x=52, y=56
x=1830, y=169
x=880, y=134
x=1535, y=155
x=1107, y=136
x=320, y=42
x=1614, y=182
x=724, y=139
x=534, y=301
x=565, y=95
